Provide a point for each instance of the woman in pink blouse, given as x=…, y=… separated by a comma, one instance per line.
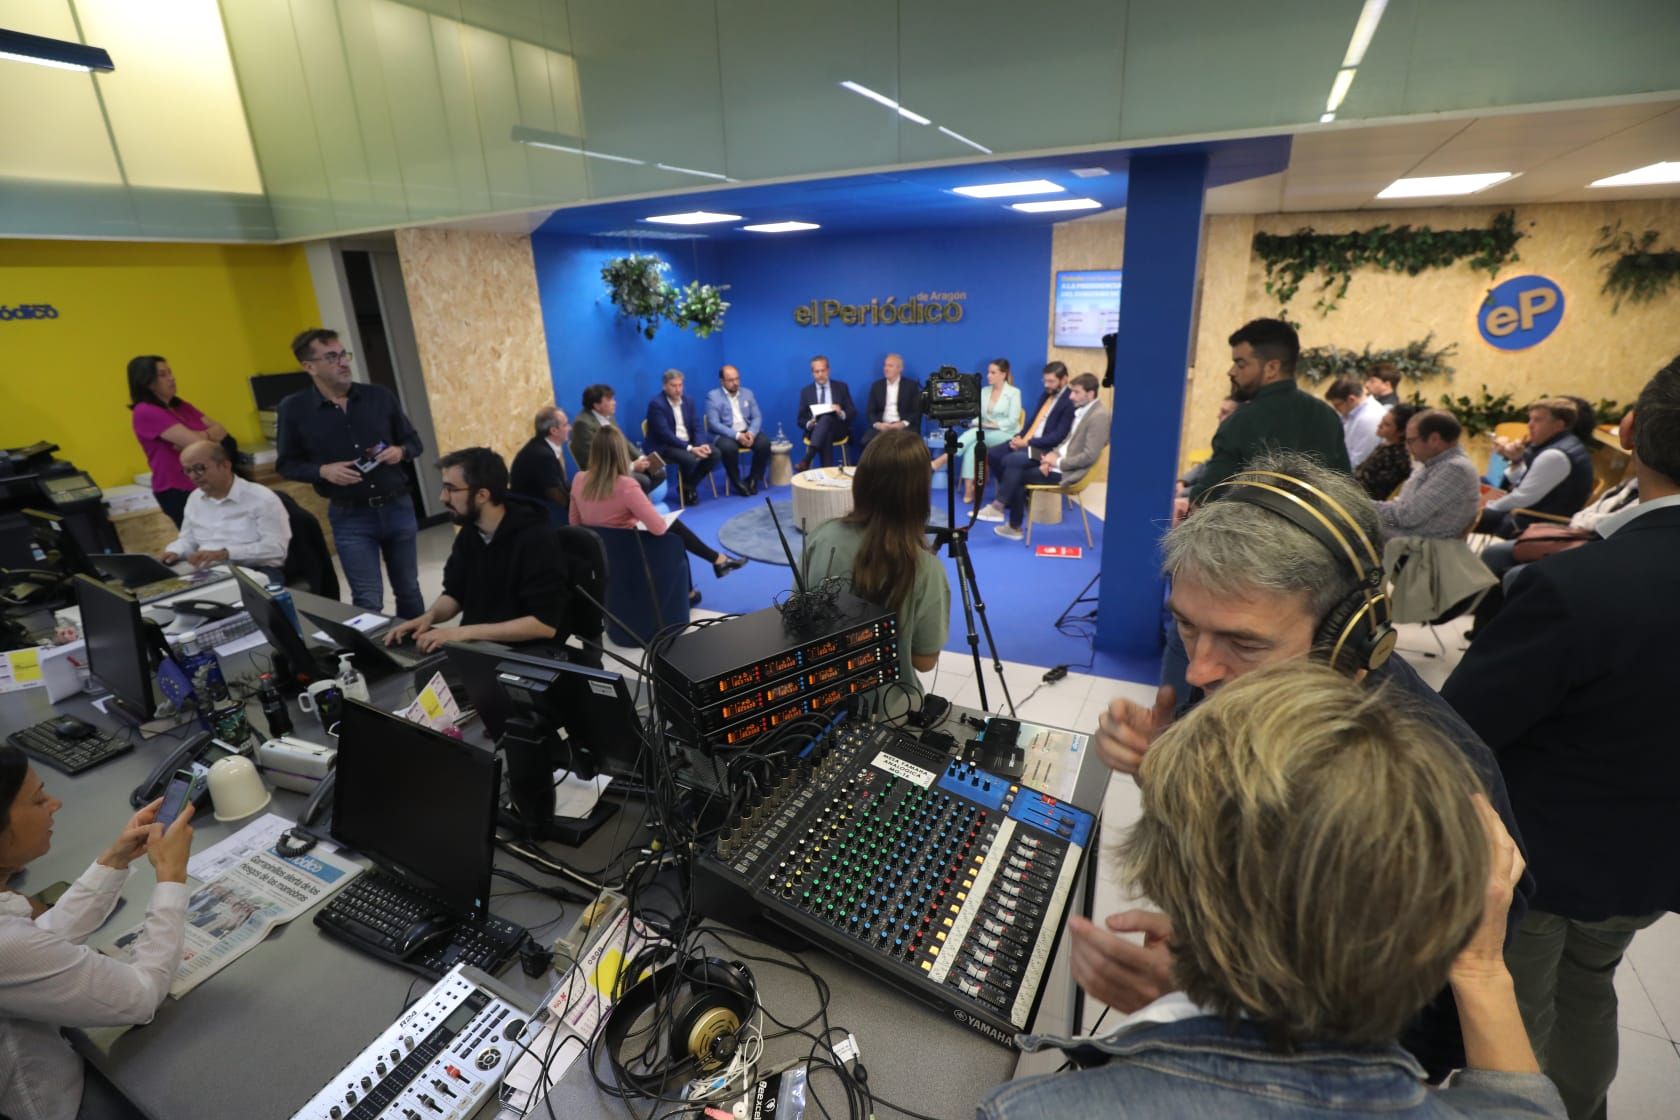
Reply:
x=165, y=425
x=607, y=496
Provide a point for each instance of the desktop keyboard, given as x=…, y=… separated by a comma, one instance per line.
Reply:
x=164, y=588
x=375, y=910
x=69, y=756
x=212, y=634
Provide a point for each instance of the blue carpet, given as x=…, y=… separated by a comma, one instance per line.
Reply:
x=752, y=532
x=1023, y=592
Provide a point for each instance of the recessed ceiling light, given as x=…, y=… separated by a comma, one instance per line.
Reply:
x=1010, y=190
x=691, y=171
x=881, y=98
x=961, y=139
x=60, y=54
x=1090, y=172
x=1647, y=176
x=780, y=227
x=1050, y=206
x=1428, y=186
x=1326, y=118
x=692, y=218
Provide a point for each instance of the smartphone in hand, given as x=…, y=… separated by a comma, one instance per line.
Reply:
x=370, y=457
x=183, y=787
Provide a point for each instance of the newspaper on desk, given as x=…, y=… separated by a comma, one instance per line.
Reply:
x=232, y=913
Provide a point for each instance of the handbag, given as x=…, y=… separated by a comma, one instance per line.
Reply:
x=1540, y=541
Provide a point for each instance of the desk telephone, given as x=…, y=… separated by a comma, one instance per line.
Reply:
x=196, y=754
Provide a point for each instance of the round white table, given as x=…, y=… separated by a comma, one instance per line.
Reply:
x=821, y=494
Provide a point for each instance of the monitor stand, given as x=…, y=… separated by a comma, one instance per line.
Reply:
x=526, y=744
x=571, y=831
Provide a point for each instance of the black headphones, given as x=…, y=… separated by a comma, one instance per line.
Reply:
x=1357, y=633
x=710, y=1001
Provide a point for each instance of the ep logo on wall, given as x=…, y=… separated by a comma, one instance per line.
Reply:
x=1520, y=313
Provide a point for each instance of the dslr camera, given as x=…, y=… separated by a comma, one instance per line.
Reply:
x=950, y=396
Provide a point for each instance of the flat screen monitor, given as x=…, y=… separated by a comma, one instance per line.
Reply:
x=271, y=619
x=418, y=803
x=269, y=389
x=54, y=538
x=118, y=645
x=1087, y=307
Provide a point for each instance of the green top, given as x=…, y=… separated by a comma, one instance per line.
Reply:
x=1279, y=418
x=924, y=617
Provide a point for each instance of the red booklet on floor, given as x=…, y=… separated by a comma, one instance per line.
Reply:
x=1065, y=552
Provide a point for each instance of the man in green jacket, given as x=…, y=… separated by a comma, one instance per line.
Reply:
x=1277, y=415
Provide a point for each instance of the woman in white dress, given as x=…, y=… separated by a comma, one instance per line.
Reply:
x=1000, y=418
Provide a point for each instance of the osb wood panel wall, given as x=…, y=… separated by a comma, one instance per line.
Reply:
x=1074, y=246
x=1593, y=353
x=479, y=327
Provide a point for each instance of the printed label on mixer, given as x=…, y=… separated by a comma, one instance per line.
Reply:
x=899, y=768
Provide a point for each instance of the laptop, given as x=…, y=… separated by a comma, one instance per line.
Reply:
x=149, y=579
x=370, y=651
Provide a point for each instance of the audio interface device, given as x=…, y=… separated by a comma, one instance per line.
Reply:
x=947, y=881
x=440, y=1060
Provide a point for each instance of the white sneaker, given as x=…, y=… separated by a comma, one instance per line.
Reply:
x=993, y=512
x=1008, y=532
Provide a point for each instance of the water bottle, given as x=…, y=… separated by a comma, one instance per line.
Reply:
x=780, y=438
x=350, y=682
x=274, y=710
x=283, y=598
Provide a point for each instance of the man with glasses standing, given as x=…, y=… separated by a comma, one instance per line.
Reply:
x=346, y=438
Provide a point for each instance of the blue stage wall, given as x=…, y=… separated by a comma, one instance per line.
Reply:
x=1003, y=275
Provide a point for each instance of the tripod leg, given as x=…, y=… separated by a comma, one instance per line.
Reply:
x=965, y=572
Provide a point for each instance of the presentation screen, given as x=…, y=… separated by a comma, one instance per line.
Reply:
x=1087, y=307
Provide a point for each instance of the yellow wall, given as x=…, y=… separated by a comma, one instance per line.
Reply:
x=219, y=313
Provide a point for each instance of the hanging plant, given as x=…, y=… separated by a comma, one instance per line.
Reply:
x=1291, y=258
x=1414, y=361
x=699, y=308
x=639, y=289
x=1481, y=415
x=1636, y=272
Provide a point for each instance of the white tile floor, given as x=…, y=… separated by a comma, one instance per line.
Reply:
x=1648, y=983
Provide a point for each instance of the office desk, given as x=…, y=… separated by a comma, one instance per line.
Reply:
x=260, y=1037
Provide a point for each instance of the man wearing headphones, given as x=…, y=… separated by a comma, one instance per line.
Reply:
x=1282, y=560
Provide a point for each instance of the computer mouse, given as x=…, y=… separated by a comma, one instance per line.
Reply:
x=423, y=933
x=69, y=727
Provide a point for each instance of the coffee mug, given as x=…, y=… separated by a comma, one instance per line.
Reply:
x=326, y=700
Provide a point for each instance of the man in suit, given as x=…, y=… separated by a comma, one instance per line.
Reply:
x=822, y=430
x=600, y=410
x=1045, y=427
x=1569, y=686
x=1067, y=462
x=733, y=418
x=539, y=470
x=674, y=431
x=895, y=401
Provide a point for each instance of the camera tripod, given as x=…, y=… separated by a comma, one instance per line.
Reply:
x=955, y=539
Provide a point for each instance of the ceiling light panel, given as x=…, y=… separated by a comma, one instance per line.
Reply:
x=1053, y=205
x=1437, y=186
x=781, y=227
x=692, y=218
x=1019, y=189
x=1650, y=175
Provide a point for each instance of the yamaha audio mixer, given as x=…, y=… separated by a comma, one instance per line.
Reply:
x=947, y=881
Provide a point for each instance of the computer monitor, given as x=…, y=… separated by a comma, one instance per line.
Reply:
x=282, y=635
x=419, y=804
x=55, y=539
x=119, y=645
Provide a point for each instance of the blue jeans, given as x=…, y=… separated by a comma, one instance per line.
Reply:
x=362, y=533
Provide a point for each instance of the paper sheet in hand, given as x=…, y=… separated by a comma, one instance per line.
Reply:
x=823, y=409
x=670, y=515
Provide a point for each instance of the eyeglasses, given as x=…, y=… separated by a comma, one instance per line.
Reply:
x=333, y=357
x=195, y=470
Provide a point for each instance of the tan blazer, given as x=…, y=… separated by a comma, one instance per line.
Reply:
x=1087, y=443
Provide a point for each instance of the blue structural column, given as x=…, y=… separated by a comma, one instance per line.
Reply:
x=1163, y=240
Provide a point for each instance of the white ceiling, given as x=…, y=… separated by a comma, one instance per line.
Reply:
x=1556, y=154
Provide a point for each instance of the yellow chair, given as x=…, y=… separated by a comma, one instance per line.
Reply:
x=1074, y=490
x=710, y=475
x=840, y=443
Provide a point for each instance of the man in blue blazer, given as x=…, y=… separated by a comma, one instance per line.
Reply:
x=895, y=401
x=1043, y=429
x=822, y=430
x=733, y=419
x=674, y=430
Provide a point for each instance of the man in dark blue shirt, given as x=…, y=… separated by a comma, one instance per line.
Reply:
x=346, y=438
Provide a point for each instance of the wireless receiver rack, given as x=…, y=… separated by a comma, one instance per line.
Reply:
x=944, y=880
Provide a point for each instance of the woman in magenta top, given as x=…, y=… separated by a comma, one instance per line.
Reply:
x=165, y=424
x=607, y=496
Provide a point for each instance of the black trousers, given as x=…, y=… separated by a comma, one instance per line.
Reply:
x=692, y=542
x=731, y=452
x=690, y=466
x=823, y=432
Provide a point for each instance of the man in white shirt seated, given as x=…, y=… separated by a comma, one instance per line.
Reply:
x=228, y=519
x=1066, y=463
x=1360, y=413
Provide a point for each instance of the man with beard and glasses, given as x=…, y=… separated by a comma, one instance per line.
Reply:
x=1278, y=416
x=506, y=576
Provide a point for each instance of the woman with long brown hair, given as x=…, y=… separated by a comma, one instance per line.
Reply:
x=881, y=546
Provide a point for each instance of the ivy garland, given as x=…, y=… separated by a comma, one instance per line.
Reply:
x=1414, y=361
x=637, y=286
x=1291, y=258
x=1636, y=272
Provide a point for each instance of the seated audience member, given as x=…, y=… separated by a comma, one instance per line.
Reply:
x=1000, y=418
x=895, y=401
x=539, y=470
x=52, y=980
x=1555, y=474
x=733, y=418
x=1052, y=417
x=1381, y=382
x=1251, y=588
x=1065, y=464
x=1439, y=498
x=1193, y=473
x=506, y=575
x=825, y=413
x=600, y=409
x=881, y=547
x=227, y=518
x=605, y=496
x=1271, y=818
x=1389, y=465
x=1569, y=686
x=1360, y=415
x=1586, y=419
x=674, y=431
